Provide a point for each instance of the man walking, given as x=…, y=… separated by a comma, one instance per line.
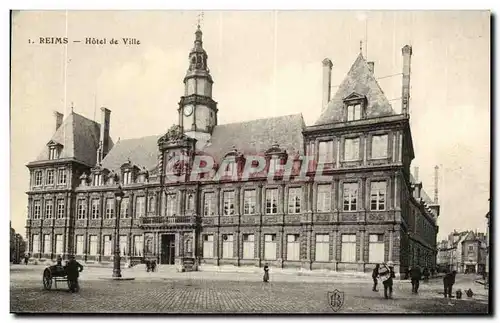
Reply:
x=73, y=269
x=387, y=275
x=375, y=276
x=415, y=279
x=448, y=281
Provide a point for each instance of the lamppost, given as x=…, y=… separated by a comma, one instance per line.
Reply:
x=116, y=264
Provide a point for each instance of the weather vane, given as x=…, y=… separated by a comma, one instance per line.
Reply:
x=200, y=18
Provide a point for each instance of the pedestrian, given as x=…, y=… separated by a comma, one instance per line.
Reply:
x=426, y=274
x=59, y=261
x=432, y=271
x=375, y=276
x=387, y=274
x=448, y=281
x=266, y=273
x=415, y=279
x=26, y=258
x=73, y=269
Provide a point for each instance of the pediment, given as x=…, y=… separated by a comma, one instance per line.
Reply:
x=53, y=143
x=354, y=96
x=276, y=150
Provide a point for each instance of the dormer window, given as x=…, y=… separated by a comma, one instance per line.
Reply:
x=127, y=177
x=277, y=156
x=353, y=112
x=97, y=179
x=354, y=105
x=54, y=150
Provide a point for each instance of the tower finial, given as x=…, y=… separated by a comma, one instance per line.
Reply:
x=361, y=47
x=71, y=106
x=200, y=19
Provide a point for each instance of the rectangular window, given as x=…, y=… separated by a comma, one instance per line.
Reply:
x=47, y=244
x=271, y=201
x=171, y=204
x=107, y=245
x=97, y=180
x=376, y=249
x=127, y=177
x=348, y=248
x=61, y=209
x=274, y=164
x=36, y=210
x=293, y=247
x=270, y=247
x=353, y=112
x=79, y=245
x=38, y=178
x=49, y=209
x=110, y=208
x=124, y=208
x=351, y=149
x=123, y=245
x=61, y=176
x=377, y=196
x=325, y=151
x=379, y=146
x=93, y=245
x=471, y=248
x=81, y=210
x=151, y=204
x=322, y=247
x=140, y=206
x=36, y=243
x=323, y=203
x=249, y=202
x=138, y=245
x=95, y=209
x=228, y=202
x=294, y=197
x=52, y=153
x=59, y=244
x=50, y=177
x=350, y=196
x=208, y=246
x=227, y=246
x=248, y=246
x=208, y=204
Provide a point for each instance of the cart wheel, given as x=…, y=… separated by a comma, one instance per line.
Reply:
x=47, y=279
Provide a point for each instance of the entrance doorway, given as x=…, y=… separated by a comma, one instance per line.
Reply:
x=167, y=249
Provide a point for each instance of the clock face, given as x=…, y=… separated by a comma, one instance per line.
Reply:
x=188, y=109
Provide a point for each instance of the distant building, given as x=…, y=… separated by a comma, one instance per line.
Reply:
x=17, y=246
x=368, y=210
x=464, y=252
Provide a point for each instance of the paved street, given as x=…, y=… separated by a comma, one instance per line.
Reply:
x=203, y=292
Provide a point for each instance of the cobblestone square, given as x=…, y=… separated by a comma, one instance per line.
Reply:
x=219, y=293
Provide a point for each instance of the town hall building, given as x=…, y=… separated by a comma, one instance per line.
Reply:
x=366, y=208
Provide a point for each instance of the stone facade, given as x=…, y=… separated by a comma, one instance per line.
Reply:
x=346, y=212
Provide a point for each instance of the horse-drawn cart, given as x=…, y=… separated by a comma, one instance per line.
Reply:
x=54, y=274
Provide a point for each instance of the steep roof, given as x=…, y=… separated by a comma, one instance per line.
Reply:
x=358, y=80
x=141, y=151
x=255, y=136
x=79, y=138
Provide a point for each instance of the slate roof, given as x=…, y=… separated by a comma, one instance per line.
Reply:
x=249, y=137
x=142, y=152
x=79, y=137
x=360, y=80
x=257, y=136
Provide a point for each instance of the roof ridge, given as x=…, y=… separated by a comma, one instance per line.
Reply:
x=259, y=119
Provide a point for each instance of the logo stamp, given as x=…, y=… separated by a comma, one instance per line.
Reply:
x=336, y=299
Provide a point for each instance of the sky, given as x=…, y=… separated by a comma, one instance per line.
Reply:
x=264, y=64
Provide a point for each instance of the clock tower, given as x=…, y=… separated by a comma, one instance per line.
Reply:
x=197, y=109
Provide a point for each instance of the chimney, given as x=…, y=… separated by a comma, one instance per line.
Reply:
x=59, y=119
x=415, y=174
x=405, y=97
x=327, y=82
x=436, y=170
x=102, y=151
x=371, y=67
